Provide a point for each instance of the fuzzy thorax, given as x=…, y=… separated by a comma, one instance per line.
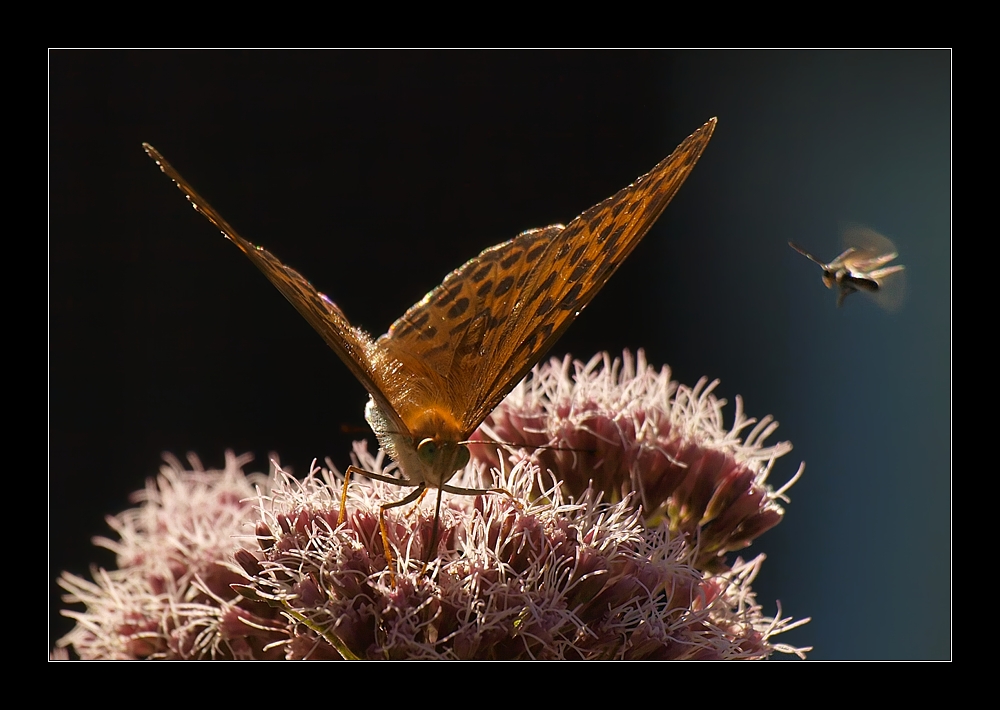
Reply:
x=430, y=453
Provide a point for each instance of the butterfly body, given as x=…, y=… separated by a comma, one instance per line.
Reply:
x=443, y=366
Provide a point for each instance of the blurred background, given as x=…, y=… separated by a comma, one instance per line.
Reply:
x=377, y=173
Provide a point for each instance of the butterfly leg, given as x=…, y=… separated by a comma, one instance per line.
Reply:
x=343, y=495
x=417, y=493
x=416, y=506
x=367, y=474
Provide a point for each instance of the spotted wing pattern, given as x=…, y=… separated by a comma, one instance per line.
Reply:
x=466, y=344
x=472, y=339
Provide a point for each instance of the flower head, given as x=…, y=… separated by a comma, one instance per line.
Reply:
x=171, y=596
x=609, y=546
x=626, y=429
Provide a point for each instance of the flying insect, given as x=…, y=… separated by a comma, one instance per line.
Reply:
x=863, y=267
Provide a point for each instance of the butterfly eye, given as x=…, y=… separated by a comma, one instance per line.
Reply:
x=427, y=451
x=461, y=457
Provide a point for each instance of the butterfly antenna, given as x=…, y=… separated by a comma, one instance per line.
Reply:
x=531, y=447
x=353, y=429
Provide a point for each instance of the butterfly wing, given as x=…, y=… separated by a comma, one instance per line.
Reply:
x=351, y=344
x=472, y=339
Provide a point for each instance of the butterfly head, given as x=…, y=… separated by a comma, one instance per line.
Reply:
x=431, y=452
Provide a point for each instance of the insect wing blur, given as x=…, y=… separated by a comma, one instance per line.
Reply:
x=862, y=266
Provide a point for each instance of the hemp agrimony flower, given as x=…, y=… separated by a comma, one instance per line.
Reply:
x=610, y=544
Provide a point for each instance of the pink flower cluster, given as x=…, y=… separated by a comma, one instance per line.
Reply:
x=610, y=543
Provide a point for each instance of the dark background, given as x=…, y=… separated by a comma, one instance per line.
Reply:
x=376, y=173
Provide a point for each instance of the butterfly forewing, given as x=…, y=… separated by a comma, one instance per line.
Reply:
x=454, y=327
x=474, y=337
x=462, y=348
x=351, y=344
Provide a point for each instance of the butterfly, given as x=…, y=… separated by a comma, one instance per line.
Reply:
x=862, y=267
x=443, y=367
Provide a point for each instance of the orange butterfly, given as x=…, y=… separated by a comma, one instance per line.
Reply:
x=452, y=357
